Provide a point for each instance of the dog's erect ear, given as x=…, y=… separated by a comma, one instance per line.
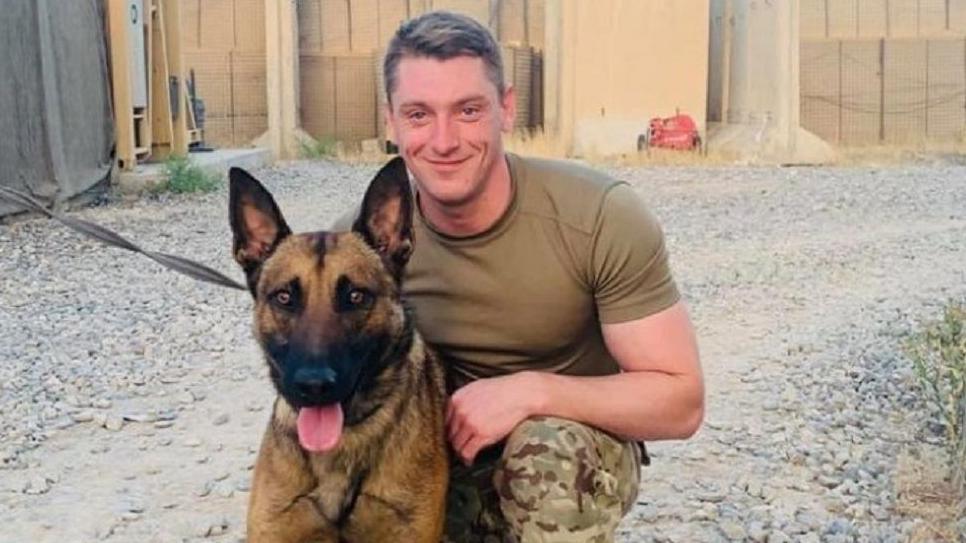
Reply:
x=386, y=218
x=256, y=223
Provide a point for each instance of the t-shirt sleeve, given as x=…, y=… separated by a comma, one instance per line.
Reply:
x=631, y=276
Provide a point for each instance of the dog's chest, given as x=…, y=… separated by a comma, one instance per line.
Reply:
x=333, y=493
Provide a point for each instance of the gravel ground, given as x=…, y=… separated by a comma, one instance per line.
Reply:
x=132, y=399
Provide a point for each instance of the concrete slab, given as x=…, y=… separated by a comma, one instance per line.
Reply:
x=150, y=175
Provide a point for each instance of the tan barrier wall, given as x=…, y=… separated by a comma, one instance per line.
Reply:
x=341, y=48
x=881, y=18
x=884, y=91
x=224, y=43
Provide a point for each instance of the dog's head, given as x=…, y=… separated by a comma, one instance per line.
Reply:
x=328, y=311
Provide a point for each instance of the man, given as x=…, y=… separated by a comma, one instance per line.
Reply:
x=545, y=288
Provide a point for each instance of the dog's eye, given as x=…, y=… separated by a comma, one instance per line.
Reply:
x=282, y=298
x=358, y=297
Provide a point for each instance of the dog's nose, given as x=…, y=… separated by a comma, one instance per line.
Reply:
x=313, y=383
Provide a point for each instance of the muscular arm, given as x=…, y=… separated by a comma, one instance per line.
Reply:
x=659, y=394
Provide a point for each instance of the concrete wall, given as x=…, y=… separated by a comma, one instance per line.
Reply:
x=611, y=65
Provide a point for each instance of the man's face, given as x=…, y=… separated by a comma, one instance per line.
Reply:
x=447, y=119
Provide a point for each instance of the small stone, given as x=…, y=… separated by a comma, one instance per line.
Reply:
x=36, y=486
x=754, y=489
x=82, y=416
x=205, y=489
x=129, y=516
x=712, y=496
x=164, y=424
x=648, y=514
x=226, y=491
x=114, y=423
x=778, y=536
x=880, y=513
x=839, y=526
x=217, y=528
x=220, y=419
x=102, y=403
x=168, y=414
x=733, y=531
x=222, y=476
x=757, y=532
x=828, y=481
x=192, y=442
x=164, y=442
x=243, y=485
x=141, y=417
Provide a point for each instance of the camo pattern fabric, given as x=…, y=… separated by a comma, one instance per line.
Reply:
x=554, y=481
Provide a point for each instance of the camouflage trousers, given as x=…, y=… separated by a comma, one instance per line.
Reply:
x=554, y=480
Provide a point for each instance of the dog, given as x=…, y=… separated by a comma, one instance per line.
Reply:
x=355, y=450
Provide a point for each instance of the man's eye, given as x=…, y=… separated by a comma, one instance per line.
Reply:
x=471, y=111
x=417, y=116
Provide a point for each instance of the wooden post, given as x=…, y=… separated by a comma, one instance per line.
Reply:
x=172, y=35
x=160, y=103
x=120, y=51
x=281, y=55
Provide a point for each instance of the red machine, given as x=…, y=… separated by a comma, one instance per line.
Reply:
x=677, y=132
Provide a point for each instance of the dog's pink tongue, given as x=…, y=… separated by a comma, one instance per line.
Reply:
x=320, y=427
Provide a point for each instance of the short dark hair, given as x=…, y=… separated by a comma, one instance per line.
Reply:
x=443, y=35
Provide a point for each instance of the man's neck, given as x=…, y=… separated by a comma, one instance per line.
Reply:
x=479, y=214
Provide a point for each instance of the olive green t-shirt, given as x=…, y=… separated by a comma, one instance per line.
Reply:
x=575, y=249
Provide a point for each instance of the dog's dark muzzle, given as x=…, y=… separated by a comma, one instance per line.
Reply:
x=311, y=386
x=311, y=380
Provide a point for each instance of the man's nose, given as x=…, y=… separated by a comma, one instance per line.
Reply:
x=446, y=136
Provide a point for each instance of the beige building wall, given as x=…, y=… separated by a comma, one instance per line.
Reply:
x=611, y=65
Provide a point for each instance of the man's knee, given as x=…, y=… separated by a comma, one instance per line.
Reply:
x=559, y=480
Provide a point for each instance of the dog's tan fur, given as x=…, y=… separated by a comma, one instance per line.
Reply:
x=386, y=480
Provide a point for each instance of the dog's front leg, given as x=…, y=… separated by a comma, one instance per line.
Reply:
x=281, y=509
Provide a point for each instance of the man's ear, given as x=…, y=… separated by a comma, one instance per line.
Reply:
x=387, y=119
x=385, y=220
x=508, y=103
x=257, y=224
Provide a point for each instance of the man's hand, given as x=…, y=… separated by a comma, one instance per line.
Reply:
x=486, y=411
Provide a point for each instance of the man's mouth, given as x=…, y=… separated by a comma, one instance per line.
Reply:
x=447, y=164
